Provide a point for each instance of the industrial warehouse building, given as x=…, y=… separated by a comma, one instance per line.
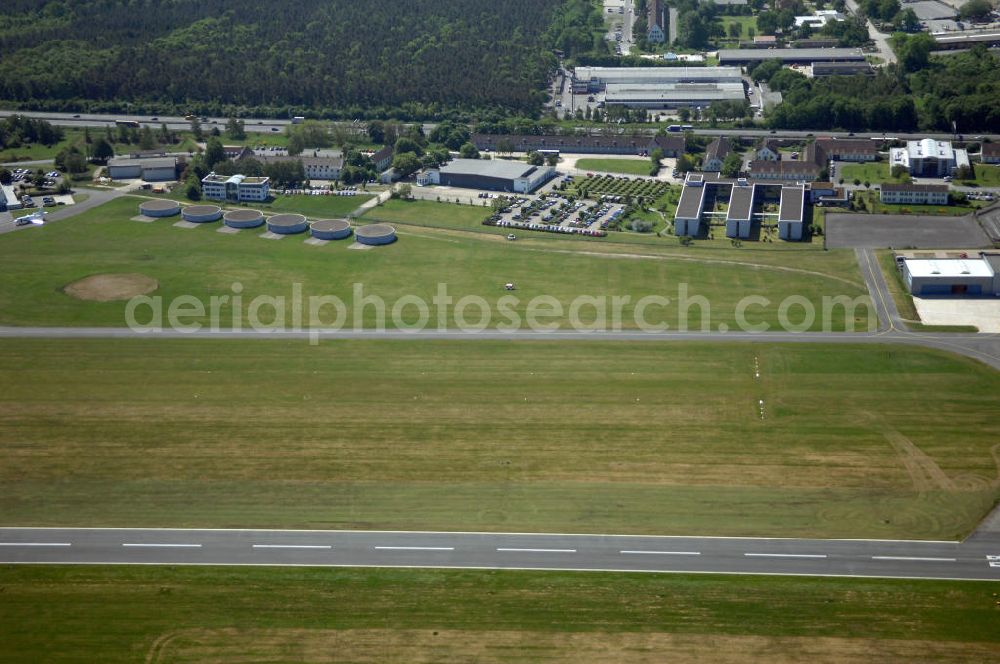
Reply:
x=492, y=174
x=235, y=188
x=671, y=95
x=671, y=146
x=748, y=56
x=150, y=169
x=929, y=158
x=914, y=194
x=953, y=276
x=597, y=79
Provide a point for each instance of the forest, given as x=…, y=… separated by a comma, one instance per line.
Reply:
x=922, y=93
x=320, y=58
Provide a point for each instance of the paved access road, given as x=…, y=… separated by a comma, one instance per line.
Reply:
x=976, y=558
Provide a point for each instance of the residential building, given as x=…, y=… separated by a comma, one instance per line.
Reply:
x=811, y=166
x=315, y=168
x=235, y=188
x=702, y=190
x=656, y=21
x=914, y=194
x=687, y=216
x=929, y=158
x=236, y=152
x=826, y=193
x=768, y=151
x=150, y=169
x=672, y=146
x=849, y=150
x=791, y=212
x=383, y=158
x=715, y=154
x=491, y=174
x=990, y=153
x=739, y=216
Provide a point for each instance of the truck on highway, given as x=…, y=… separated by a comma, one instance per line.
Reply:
x=298, y=119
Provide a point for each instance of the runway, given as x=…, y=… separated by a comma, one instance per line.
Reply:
x=978, y=558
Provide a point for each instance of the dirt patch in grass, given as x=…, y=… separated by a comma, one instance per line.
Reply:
x=111, y=287
x=408, y=645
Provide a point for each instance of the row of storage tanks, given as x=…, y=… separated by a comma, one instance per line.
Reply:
x=282, y=224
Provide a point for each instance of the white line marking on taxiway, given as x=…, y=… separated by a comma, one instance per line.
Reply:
x=662, y=553
x=915, y=559
x=785, y=555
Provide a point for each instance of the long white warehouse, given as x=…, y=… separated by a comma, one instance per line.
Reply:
x=596, y=79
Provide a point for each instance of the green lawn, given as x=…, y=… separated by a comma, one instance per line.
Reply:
x=745, y=23
x=529, y=436
x=316, y=207
x=871, y=201
x=202, y=263
x=627, y=166
x=873, y=172
x=188, y=614
x=432, y=213
x=986, y=175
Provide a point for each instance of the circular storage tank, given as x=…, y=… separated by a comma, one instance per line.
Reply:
x=331, y=229
x=244, y=218
x=375, y=234
x=201, y=214
x=159, y=208
x=287, y=224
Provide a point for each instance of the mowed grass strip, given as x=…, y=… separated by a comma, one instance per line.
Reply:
x=853, y=441
x=627, y=166
x=202, y=263
x=178, y=614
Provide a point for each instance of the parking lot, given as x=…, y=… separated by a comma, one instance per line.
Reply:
x=555, y=214
x=900, y=231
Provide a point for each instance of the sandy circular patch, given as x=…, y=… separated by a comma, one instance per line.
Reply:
x=110, y=287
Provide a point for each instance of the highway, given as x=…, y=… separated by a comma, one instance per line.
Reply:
x=978, y=558
x=266, y=125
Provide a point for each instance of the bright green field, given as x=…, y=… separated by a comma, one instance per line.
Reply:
x=628, y=166
x=432, y=213
x=203, y=263
x=516, y=436
x=315, y=207
x=186, y=614
x=875, y=173
x=986, y=175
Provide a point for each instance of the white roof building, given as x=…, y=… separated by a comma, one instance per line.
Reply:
x=929, y=158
